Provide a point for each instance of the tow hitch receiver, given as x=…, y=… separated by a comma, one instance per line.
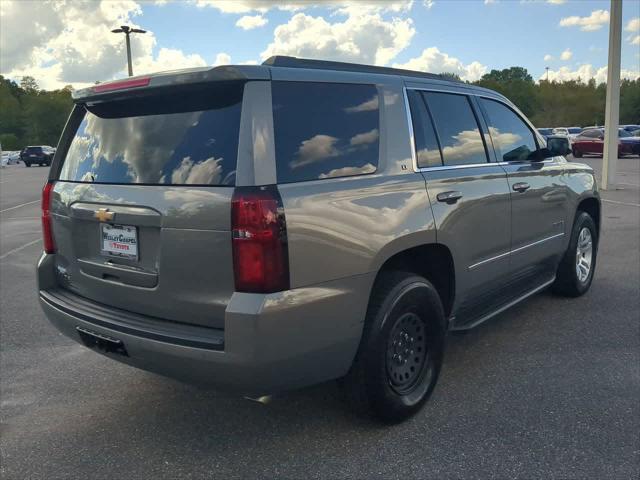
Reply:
x=101, y=342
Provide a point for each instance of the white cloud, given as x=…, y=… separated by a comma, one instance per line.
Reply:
x=434, y=61
x=635, y=40
x=315, y=149
x=72, y=43
x=633, y=25
x=595, y=21
x=556, y=2
x=222, y=59
x=490, y=2
x=566, y=54
x=548, y=58
x=249, y=22
x=586, y=72
x=429, y=4
x=344, y=6
x=361, y=37
x=167, y=59
x=207, y=172
x=364, y=138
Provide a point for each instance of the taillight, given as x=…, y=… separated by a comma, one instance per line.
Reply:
x=121, y=84
x=259, y=236
x=47, y=232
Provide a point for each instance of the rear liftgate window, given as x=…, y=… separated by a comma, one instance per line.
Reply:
x=178, y=138
x=325, y=130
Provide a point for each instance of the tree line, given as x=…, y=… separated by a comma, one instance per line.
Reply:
x=32, y=116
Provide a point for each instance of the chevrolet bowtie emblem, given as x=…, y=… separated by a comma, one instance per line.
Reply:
x=103, y=214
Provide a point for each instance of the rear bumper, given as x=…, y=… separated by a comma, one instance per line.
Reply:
x=270, y=342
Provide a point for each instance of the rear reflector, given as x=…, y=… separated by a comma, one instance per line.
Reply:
x=121, y=85
x=259, y=236
x=47, y=231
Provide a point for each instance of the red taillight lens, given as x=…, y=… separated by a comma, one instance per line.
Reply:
x=259, y=233
x=47, y=232
x=121, y=84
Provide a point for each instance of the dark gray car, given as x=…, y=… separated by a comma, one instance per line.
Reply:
x=263, y=228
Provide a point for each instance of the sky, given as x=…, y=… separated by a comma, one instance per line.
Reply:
x=70, y=42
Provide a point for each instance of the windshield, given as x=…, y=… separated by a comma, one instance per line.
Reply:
x=545, y=131
x=575, y=130
x=623, y=133
x=182, y=138
x=33, y=149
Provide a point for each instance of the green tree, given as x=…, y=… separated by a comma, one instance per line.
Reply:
x=516, y=84
x=29, y=84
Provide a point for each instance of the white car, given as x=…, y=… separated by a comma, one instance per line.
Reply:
x=10, y=158
x=570, y=132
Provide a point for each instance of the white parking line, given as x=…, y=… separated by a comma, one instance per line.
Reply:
x=621, y=203
x=19, y=206
x=22, y=247
x=629, y=184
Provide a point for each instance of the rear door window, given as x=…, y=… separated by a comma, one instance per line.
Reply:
x=183, y=138
x=457, y=129
x=324, y=130
x=426, y=143
x=512, y=138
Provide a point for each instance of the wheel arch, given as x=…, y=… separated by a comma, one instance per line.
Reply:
x=431, y=260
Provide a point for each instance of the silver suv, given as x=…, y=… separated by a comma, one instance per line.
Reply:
x=263, y=228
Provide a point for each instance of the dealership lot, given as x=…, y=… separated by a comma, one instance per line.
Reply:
x=549, y=388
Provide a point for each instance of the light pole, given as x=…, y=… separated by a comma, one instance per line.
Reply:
x=612, y=106
x=547, y=69
x=127, y=30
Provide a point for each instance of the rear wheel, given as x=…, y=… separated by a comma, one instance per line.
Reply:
x=27, y=164
x=575, y=272
x=577, y=153
x=400, y=354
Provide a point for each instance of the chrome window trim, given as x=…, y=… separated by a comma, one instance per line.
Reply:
x=414, y=155
x=412, y=141
x=516, y=250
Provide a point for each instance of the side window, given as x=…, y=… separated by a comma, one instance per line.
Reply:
x=427, y=149
x=457, y=128
x=512, y=138
x=324, y=130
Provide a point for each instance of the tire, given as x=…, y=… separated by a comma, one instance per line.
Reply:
x=26, y=164
x=577, y=153
x=384, y=382
x=571, y=280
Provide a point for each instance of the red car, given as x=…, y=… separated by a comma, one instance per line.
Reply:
x=590, y=141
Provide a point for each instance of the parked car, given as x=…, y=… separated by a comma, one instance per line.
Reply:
x=630, y=128
x=41, y=155
x=263, y=228
x=545, y=132
x=570, y=132
x=591, y=141
x=635, y=133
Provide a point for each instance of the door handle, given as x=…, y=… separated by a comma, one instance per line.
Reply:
x=521, y=187
x=449, y=197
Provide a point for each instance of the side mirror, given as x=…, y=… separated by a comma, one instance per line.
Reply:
x=557, y=147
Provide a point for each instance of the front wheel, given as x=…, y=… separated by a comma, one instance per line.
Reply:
x=575, y=272
x=400, y=354
x=27, y=164
x=577, y=153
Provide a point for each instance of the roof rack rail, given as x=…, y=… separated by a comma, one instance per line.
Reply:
x=293, y=62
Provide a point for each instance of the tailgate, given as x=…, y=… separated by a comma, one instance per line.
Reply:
x=142, y=200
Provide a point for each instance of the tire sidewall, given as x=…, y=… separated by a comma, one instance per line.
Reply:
x=584, y=220
x=415, y=295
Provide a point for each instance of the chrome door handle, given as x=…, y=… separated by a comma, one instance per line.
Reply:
x=449, y=197
x=521, y=187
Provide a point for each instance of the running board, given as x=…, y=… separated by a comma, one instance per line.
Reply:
x=506, y=306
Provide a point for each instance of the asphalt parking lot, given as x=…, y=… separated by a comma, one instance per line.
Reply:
x=549, y=389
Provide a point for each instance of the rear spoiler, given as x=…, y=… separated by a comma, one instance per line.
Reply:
x=120, y=88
